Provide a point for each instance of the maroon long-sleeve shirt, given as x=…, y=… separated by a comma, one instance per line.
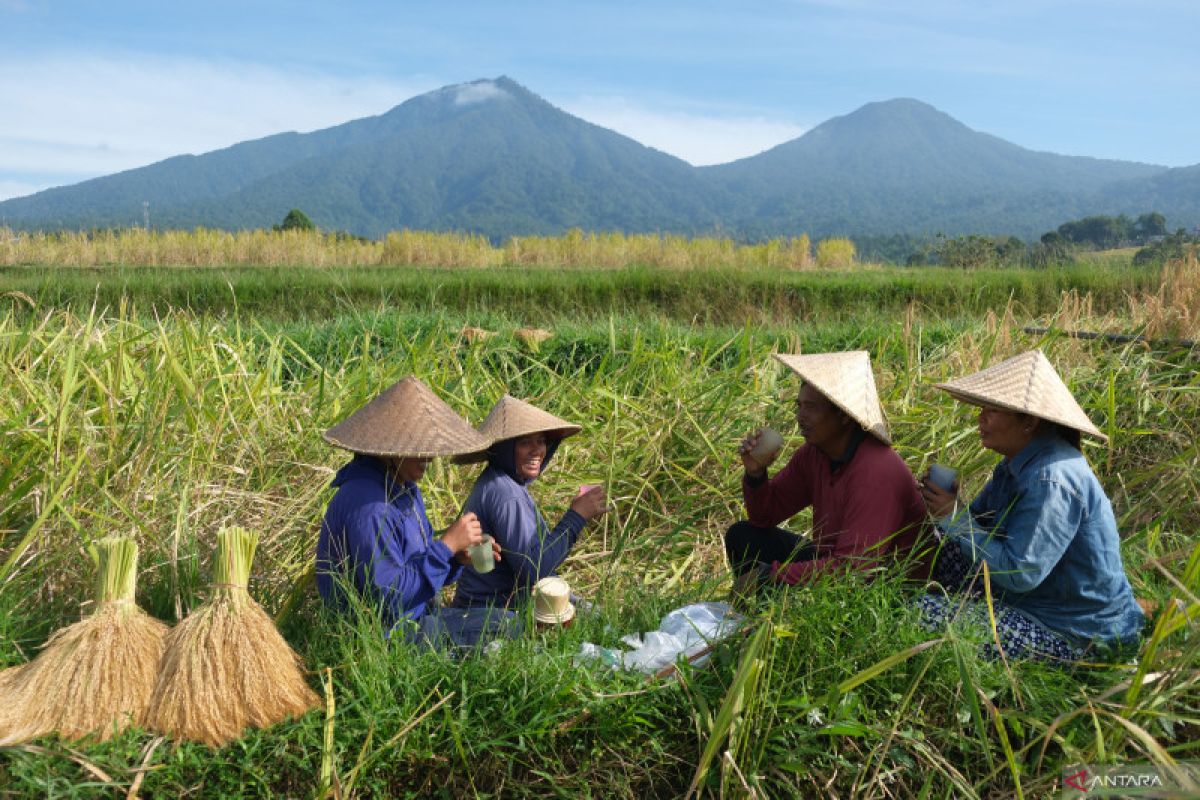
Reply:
x=867, y=508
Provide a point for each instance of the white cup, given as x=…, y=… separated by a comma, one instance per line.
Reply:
x=769, y=442
x=943, y=476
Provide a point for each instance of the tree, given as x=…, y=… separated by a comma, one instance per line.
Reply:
x=296, y=220
x=1152, y=224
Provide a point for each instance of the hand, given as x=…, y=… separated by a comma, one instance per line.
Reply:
x=755, y=466
x=465, y=532
x=590, y=504
x=938, y=501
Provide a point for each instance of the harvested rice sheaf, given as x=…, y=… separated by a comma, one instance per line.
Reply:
x=94, y=677
x=226, y=667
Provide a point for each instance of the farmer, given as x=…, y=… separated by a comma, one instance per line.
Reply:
x=865, y=502
x=376, y=538
x=524, y=438
x=1042, y=524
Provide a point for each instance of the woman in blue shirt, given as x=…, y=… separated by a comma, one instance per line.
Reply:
x=1043, y=524
x=376, y=538
x=525, y=439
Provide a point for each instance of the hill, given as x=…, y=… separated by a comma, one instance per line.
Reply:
x=492, y=157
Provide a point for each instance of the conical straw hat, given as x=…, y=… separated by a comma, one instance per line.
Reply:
x=406, y=420
x=846, y=379
x=511, y=418
x=1028, y=384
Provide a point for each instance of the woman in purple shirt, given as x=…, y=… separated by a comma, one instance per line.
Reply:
x=376, y=539
x=1042, y=525
x=525, y=439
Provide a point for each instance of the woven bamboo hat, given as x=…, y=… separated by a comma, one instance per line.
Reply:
x=406, y=420
x=846, y=379
x=1027, y=384
x=511, y=418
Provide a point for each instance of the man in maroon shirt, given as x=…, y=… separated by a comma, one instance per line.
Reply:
x=865, y=501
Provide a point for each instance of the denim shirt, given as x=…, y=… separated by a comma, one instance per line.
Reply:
x=1047, y=532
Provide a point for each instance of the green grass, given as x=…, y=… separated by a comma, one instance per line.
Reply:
x=168, y=428
x=544, y=296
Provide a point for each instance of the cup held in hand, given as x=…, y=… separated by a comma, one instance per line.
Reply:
x=943, y=476
x=483, y=559
x=768, y=445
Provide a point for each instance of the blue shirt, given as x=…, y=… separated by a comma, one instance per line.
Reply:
x=376, y=535
x=1047, y=532
x=530, y=550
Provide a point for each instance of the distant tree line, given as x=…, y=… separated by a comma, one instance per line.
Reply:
x=1060, y=246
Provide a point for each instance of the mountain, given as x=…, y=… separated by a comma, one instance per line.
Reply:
x=487, y=156
x=904, y=166
x=493, y=158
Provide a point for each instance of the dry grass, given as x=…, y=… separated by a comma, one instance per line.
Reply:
x=1173, y=311
x=93, y=677
x=574, y=249
x=226, y=667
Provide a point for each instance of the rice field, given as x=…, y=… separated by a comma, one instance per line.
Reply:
x=170, y=421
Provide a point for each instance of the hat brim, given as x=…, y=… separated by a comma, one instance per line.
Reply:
x=563, y=616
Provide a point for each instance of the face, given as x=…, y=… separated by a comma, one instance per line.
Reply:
x=411, y=469
x=822, y=423
x=529, y=452
x=1006, y=432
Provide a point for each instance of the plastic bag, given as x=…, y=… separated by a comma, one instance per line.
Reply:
x=684, y=632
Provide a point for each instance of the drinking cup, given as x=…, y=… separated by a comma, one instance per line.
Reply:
x=943, y=476
x=483, y=559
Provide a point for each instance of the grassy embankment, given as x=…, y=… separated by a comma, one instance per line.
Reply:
x=169, y=427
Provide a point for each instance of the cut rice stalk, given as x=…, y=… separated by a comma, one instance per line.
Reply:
x=94, y=677
x=226, y=667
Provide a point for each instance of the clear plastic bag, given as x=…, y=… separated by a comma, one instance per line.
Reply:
x=685, y=631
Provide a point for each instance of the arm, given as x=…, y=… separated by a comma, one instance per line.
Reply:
x=394, y=560
x=1039, y=525
x=771, y=501
x=532, y=550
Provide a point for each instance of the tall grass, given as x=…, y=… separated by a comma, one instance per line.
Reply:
x=171, y=427
x=211, y=248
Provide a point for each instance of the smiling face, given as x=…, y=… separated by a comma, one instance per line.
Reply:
x=823, y=424
x=529, y=453
x=1006, y=432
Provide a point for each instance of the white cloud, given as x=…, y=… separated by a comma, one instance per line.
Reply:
x=95, y=115
x=470, y=93
x=696, y=138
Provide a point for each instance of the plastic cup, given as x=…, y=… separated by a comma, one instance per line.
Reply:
x=943, y=476
x=483, y=559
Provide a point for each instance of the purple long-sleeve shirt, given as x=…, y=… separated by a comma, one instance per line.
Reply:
x=530, y=549
x=376, y=535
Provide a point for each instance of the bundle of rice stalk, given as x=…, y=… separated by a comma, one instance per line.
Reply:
x=95, y=676
x=225, y=665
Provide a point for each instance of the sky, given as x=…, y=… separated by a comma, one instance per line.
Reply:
x=93, y=88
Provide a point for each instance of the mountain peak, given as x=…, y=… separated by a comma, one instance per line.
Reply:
x=480, y=91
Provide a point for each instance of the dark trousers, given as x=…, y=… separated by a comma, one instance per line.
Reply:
x=749, y=547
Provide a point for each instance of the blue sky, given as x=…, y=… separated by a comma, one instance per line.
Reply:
x=91, y=88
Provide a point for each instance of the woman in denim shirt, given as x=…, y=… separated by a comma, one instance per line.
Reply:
x=1043, y=524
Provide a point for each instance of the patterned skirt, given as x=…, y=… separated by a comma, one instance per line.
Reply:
x=1020, y=636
